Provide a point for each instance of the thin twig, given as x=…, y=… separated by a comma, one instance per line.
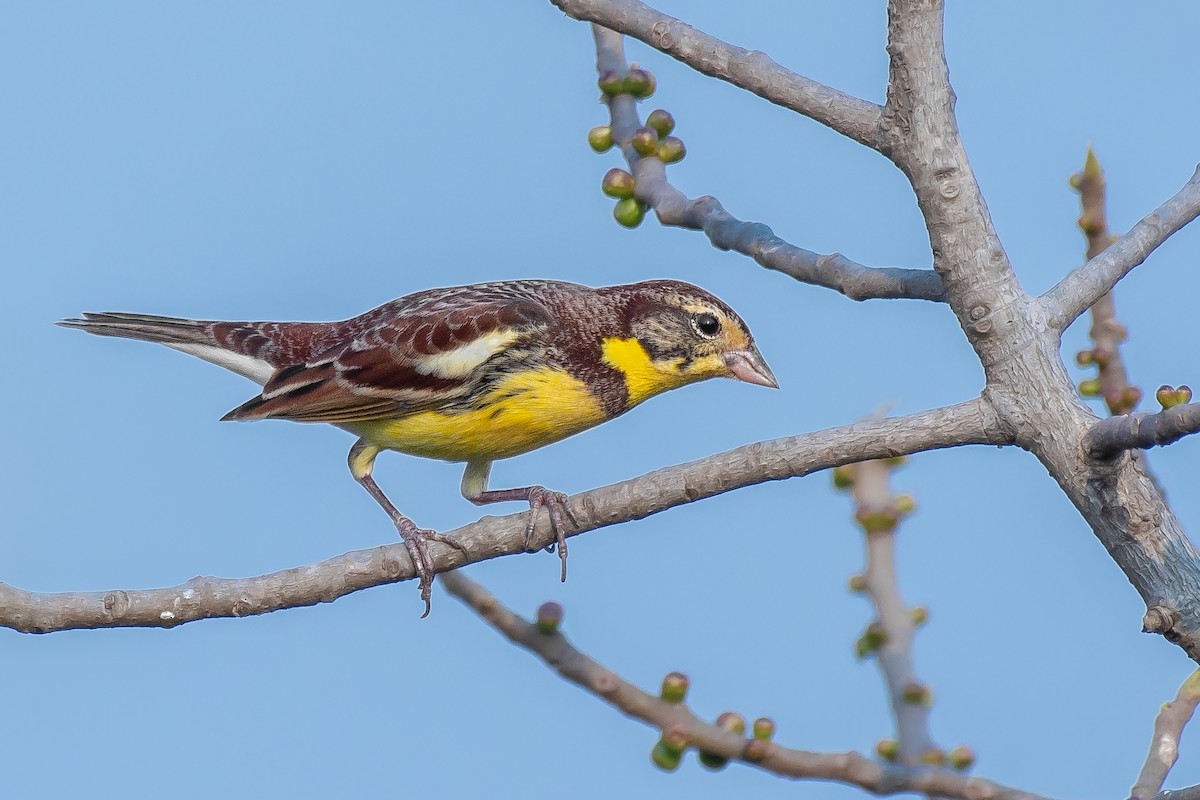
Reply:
x=1083, y=286
x=850, y=768
x=727, y=232
x=751, y=70
x=878, y=512
x=1107, y=333
x=490, y=537
x=1164, y=746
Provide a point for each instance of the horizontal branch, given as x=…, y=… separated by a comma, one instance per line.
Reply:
x=1084, y=285
x=207, y=597
x=751, y=70
x=850, y=768
x=1141, y=431
x=753, y=239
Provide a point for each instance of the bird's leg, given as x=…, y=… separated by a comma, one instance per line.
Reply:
x=474, y=488
x=361, y=461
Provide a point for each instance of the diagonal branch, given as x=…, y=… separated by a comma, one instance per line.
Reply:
x=1164, y=746
x=851, y=768
x=1084, y=285
x=206, y=597
x=727, y=232
x=1141, y=431
x=751, y=70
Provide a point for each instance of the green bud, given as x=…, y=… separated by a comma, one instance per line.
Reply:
x=640, y=82
x=934, y=757
x=661, y=120
x=712, y=760
x=629, y=212
x=1089, y=388
x=1165, y=395
x=757, y=749
x=917, y=694
x=611, y=83
x=877, y=520
x=905, y=504
x=764, y=728
x=1075, y=181
x=665, y=758
x=674, y=687
x=920, y=615
x=732, y=722
x=671, y=150
x=1130, y=397
x=549, y=617
x=645, y=141
x=676, y=738
x=843, y=476
x=1183, y=393
x=961, y=757
x=873, y=638
x=600, y=138
x=888, y=750
x=1085, y=358
x=617, y=183
x=857, y=583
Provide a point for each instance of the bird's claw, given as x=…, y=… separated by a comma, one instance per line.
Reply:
x=414, y=541
x=557, y=507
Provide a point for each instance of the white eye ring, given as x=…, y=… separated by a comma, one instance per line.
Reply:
x=706, y=325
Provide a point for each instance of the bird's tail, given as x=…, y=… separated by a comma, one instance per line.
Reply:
x=147, y=327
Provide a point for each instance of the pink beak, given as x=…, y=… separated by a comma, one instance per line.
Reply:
x=748, y=365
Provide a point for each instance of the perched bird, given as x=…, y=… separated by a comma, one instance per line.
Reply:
x=470, y=373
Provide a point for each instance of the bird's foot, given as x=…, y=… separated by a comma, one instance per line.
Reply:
x=414, y=541
x=560, y=511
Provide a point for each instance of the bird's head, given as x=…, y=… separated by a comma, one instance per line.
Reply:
x=678, y=334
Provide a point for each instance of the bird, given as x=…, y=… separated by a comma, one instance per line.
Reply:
x=471, y=373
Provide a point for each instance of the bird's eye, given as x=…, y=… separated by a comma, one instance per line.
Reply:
x=706, y=324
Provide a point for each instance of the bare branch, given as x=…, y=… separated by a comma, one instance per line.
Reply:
x=1071, y=296
x=1164, y=746
x=849, y=768
x=747, y=69
x=1141, y=431
x=727, y=232
x=206, y=597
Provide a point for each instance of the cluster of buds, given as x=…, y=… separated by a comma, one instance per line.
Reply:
x=1120, y=400
x=1168, y=396
x=959, y=758
x=668, y=751
x=637, y=82
x=650, y=141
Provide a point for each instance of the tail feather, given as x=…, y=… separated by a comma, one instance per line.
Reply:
x=147, y=327
x=187, y=335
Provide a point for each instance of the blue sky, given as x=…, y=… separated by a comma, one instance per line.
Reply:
x=309, y=161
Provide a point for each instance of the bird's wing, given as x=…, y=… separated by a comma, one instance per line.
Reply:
x=405, y=360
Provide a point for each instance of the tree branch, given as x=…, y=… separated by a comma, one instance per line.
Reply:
x=1114, y=435
x=849, y=768
x=727, y=232
x=1164, y=746
x=751, y=70
x=206, y=597
x=889, y=639
x=1081, y=287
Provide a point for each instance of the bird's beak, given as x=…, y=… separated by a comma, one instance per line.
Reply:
x=748, y=365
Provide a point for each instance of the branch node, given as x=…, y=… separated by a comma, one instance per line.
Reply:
x=1161, y=619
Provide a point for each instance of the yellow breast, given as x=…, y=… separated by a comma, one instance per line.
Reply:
x=527, y=410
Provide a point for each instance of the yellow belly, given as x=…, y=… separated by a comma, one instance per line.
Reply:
x=526, y=411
